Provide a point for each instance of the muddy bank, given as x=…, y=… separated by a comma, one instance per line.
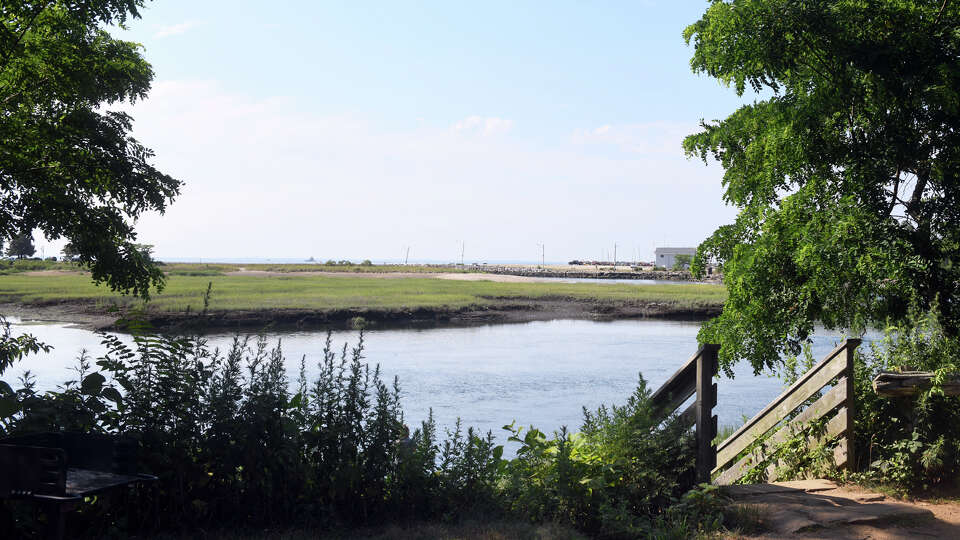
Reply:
x=77, y=314
x=498, y=311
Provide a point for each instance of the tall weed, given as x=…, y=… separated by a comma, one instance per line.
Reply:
x=233, y=440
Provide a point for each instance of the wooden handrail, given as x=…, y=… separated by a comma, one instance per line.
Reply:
x=682, y=384
x=786, y=393
x=830, y=401
x=773, y=414
x=694, y=377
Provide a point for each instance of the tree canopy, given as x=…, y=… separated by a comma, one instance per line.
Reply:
x=845, y=168
x=21, y=246
x=68, y=165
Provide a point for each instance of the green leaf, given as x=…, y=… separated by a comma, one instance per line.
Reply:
x=8, y=406
x=847, y=198
x=296, y=400
x=92, y=384
x=112, y=394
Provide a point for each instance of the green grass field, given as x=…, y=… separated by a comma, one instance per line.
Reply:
x=232, y=291
x=207, y=269
x=199, y=269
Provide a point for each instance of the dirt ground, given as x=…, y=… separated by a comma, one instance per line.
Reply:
x=945, y=522
x=76, y=315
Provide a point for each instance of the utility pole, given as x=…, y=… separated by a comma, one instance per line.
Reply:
x=462, y=248
x=614, y=254
x=407, y=256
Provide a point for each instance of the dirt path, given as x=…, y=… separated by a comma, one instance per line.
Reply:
x=821, y=509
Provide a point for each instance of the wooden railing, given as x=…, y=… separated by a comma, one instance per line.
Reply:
x=695, y=377
x=837, y=368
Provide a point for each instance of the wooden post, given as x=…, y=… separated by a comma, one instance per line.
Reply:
x=706, y=422
x=851, y=406
x=56, y=523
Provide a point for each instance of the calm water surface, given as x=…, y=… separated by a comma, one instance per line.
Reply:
x=538, y=373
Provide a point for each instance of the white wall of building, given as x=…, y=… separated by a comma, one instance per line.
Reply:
x=667, y=256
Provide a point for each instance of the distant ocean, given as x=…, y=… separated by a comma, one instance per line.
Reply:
x=320, y=260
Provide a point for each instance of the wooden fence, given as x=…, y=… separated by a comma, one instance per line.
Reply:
x=836, y=368
x=695, y=377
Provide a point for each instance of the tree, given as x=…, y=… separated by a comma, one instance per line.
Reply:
x=68, y=165
x=682, y=261
x=21, y=246
x=70, y=251
x=845, y=170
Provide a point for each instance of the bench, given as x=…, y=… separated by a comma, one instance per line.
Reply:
x=58, y=470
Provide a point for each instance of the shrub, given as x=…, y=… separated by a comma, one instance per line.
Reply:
x=909, y=443
x=906, y=444
x=234, y=441
x=231, y=443
x=613, y=478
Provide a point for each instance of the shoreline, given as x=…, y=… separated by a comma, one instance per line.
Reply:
x=87, y=316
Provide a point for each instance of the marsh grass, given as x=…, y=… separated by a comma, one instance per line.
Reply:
x=234, y=291
x=183, y=269
x=364, y=268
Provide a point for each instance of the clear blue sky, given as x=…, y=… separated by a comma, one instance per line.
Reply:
x=353, y=129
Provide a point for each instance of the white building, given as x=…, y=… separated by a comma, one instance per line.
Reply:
x=667, y=256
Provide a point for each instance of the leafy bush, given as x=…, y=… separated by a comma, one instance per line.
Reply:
x=17, y=266
x=231, y=443
x=234, y=441
x=909, y=443
x=616, y=478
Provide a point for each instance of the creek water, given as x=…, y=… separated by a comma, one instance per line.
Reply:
x=538, y=373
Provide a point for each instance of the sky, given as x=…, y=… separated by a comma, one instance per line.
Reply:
x=357, y=129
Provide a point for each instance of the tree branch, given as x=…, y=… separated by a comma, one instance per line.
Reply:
x=18, y=39
x=916, y=198
x=894, y=193
x=940, y=14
